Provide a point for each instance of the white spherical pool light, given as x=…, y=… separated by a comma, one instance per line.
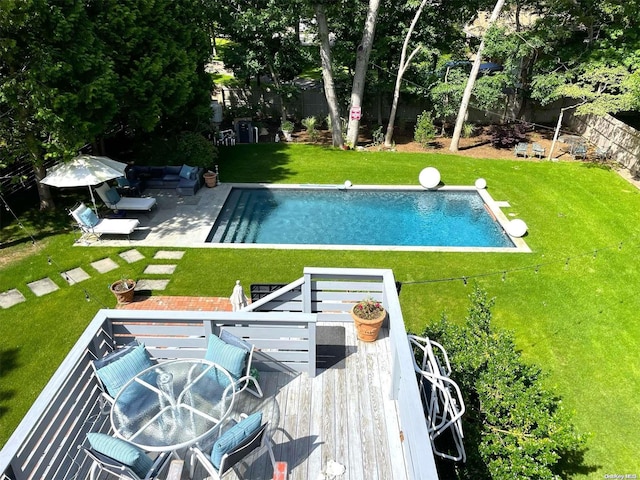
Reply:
x=517, y=228
x=481, y=183
x=347, y=183
x=429, y=177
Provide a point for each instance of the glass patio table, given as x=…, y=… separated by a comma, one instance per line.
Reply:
x=173, y=404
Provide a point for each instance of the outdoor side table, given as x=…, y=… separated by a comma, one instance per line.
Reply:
x=173, y=405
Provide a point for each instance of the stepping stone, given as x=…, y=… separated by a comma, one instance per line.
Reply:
x=147, y=284
x=131, y=256
x=105, y=265
x=160, y=269
x=11, y=298
x=169, y=254
x=75, y=276
x=42, y=287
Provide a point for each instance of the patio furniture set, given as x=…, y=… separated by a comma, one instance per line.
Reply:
x=176, y=409
x=522, y=149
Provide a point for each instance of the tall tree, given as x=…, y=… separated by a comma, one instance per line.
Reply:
x=466, y=96
x=404, y=64
x=327, y=75
x=362, y=64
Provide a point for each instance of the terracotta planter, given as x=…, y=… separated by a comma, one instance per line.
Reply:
x=123, y=292
x=210, y=179
x=368, y=329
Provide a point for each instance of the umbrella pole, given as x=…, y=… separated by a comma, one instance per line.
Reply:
x=93, y=200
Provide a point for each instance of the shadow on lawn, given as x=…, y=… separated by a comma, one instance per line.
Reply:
x=8, y=362
x=245, y=163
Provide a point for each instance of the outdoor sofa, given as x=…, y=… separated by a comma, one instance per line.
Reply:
x=185, y=179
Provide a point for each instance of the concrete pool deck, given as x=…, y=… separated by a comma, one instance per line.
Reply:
x=185, y=222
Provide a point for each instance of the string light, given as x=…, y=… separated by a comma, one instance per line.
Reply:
x=504, y=275
x=595, y=253
x=464, y=280
x=537, y=269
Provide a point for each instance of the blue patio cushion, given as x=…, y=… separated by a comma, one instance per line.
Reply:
x=113, y=196
x=234, y=437
x=88, y=218
x=123, y=182
x=115, y=374
x=187, y=172
x=122, y=451
x=232, y=359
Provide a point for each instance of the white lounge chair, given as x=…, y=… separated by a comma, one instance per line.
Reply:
x=114, y=201
x=90, y=224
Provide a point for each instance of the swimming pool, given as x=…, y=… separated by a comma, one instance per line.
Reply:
x=361, y=218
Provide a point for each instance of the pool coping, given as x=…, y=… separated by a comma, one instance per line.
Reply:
x=494, y=208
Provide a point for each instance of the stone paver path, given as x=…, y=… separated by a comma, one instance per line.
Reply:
x=160, y=269
x=146, y=284
x=105, y=265
x=131, y=256
x=168, y=255
x=43, y=286
x=11, y=297
x=75, y=276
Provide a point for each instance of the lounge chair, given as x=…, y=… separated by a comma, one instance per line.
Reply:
x=538, y=150
x=114, y=201
x=90, y=224
x=603, y=154
x=522, y=148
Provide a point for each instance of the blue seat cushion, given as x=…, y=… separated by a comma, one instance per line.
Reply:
x=123, y=182
x=115, y=374
x=234, y=437
x=186, y=172
x=88, y=218
x=231, y=358
x=113, y=196
x=122, y=451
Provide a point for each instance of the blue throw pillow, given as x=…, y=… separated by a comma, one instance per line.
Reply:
x=116, y=374
x=123, y=182
x=113, y=196
x=232, y=359
x=122, y=451
x=185, y=172
x=234, y=437
x=88, y=218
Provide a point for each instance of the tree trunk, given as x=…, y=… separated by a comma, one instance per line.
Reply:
x=278, y=85
x=402, y=68
x=464, y=105
x=327, y=75
x=362, y=63
x=44, y=192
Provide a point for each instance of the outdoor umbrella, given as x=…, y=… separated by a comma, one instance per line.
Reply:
x=84, y=170
x=238, y=298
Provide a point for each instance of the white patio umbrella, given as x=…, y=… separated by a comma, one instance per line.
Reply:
x=238, y=299
x=84, y=170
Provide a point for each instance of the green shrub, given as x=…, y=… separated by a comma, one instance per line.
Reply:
x=425, y=131
x=194, y=149
x=310, y=124
x=468, y=129
x=514, y=427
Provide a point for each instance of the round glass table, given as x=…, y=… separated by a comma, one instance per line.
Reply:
x=173, y=404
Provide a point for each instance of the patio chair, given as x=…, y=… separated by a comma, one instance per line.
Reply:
x=236, y=356
x=441, y=398
x=603, y=154
x=522, y=148
x=114, y=201
x=122, y=459
x=116, y=368
x=231, y=447
x=579, y=150
x=90, y=224
x=538, y=150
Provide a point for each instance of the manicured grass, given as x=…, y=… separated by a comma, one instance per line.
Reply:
x=575, y=318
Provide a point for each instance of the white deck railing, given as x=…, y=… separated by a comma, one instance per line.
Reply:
x=44, y=446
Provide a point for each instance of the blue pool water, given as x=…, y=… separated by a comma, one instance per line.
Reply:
x=357, y=217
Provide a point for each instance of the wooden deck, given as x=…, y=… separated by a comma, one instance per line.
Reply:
x=343, y=415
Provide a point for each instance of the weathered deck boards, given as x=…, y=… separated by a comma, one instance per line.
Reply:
x=342, y=415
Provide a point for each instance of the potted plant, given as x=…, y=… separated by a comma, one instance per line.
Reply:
x=287, y=128
x=123, y=289
x=368, y=316
x=210, y=178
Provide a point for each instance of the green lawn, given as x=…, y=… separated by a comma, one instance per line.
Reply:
x=571, y=302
